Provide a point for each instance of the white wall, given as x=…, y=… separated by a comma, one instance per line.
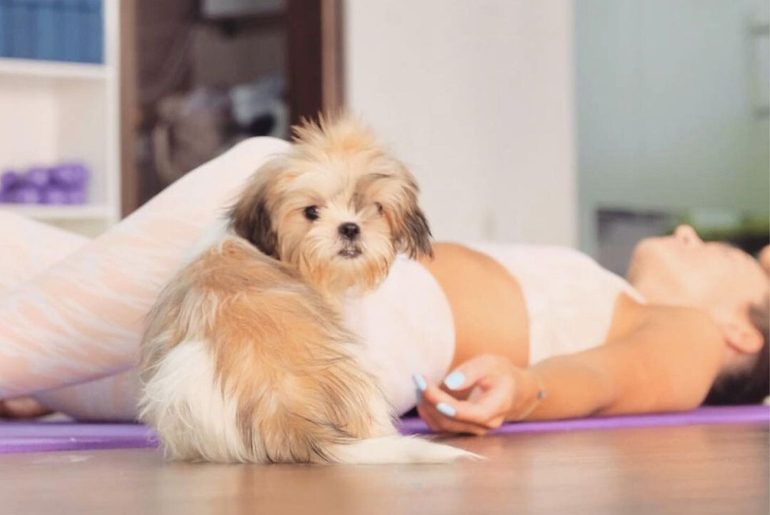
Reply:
x=477, y=97
x=666, y=115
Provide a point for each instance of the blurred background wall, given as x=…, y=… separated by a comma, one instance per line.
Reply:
x=477, y=98
x=672, y=116
x=588, y=123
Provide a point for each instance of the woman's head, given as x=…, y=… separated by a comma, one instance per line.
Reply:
x=724, y=281
x=683, y=269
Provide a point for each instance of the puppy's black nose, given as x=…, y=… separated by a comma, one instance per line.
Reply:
x=349, y=230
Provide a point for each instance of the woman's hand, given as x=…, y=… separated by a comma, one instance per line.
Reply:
x=476, y=397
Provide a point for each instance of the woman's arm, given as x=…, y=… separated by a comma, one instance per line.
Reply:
x=666, y=361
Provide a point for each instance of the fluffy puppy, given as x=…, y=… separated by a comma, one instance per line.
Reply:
x=246, y=358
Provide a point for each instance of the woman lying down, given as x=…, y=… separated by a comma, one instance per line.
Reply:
x=477, y=336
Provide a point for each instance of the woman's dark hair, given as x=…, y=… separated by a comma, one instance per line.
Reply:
x=752, y=385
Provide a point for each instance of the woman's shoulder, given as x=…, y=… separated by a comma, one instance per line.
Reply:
x=673, y=321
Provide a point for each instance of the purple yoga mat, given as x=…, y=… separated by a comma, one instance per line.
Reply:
x=64, y=436
x=71, y=436
x=700, y=416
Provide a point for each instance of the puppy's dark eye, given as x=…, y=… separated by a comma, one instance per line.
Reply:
x=379, y=208
x=311, y=213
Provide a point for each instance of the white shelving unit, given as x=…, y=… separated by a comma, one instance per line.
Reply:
x=83, y=212
x=58, y=111
x=51, y=69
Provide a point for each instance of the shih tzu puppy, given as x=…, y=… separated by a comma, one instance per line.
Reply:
x=246, y=357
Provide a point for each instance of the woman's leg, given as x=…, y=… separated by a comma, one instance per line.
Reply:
x=109, y=398
x=82, y=318
x=29, y=248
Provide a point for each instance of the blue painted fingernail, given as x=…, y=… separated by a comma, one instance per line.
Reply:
x=446, y=409
x=419, y=382
x=418, y=395
x=454, y=380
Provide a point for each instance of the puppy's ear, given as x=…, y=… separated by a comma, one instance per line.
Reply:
x=411, y=232
x=413, y=235
x=250, y=215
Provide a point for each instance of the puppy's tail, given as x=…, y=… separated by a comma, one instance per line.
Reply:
x=397, y=449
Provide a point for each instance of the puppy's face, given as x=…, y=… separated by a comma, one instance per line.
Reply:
x=336, y=207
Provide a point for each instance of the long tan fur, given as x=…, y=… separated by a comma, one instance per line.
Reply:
x=279, y=352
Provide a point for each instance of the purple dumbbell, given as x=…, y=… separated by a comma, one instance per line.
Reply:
x=53, y=195
x=25, y=194
x=66, y=183
x=8, y=180
x=69, y=175
x=38, y=176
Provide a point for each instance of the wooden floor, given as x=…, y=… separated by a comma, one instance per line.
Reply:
x=677, y=470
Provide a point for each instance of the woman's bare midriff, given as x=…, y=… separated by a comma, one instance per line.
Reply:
x=490, y=315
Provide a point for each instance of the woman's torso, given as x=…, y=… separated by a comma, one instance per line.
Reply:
x=523, y=302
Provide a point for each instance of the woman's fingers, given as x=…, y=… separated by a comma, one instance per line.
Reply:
x=469, y=373
x=438, y=422
x=487, y=410
x=473, y=398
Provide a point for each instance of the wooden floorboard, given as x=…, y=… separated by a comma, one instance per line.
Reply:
x=677, y=470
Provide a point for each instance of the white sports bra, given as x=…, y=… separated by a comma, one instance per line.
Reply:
x=570, y=298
